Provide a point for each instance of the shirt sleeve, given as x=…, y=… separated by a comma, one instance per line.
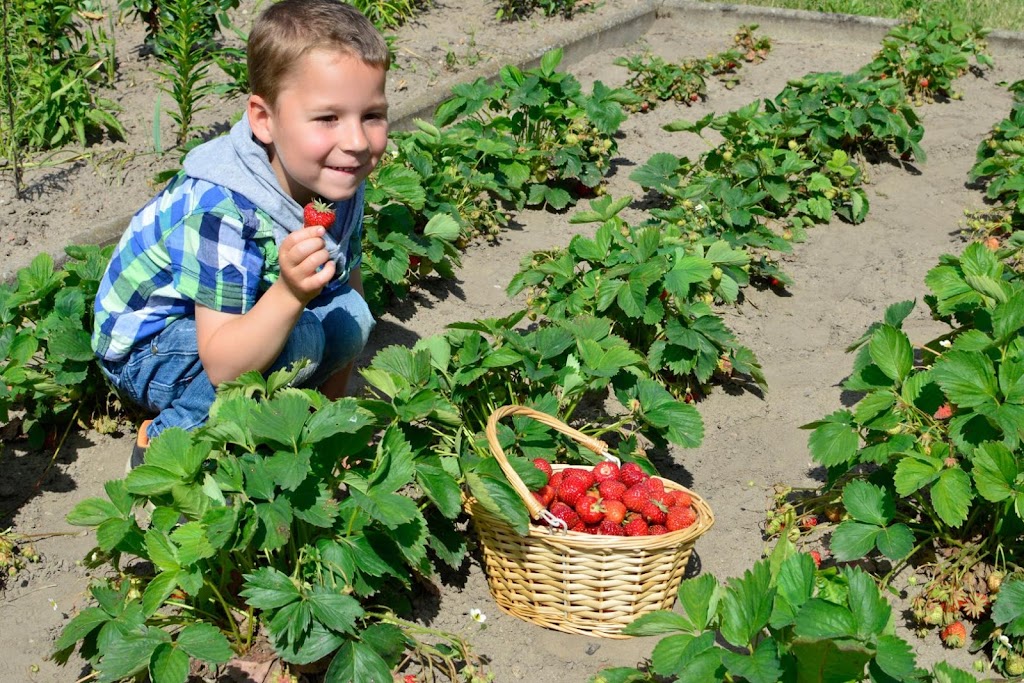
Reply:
x=215, y=264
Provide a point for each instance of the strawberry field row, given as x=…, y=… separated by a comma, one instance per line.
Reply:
x=325, y=508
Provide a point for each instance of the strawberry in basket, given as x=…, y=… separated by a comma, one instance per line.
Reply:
x=610, y=500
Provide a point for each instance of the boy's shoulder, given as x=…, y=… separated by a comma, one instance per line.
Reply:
x=186, y=196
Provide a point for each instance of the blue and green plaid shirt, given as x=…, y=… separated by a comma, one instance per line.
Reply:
x=195, y=242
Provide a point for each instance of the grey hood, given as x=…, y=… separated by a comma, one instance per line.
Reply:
x=239, y=162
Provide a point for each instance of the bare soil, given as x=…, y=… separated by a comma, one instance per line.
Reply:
x=845, y=277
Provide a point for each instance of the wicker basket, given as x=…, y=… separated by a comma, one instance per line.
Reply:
x=576, y=582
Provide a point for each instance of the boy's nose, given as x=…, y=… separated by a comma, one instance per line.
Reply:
x=352, y=137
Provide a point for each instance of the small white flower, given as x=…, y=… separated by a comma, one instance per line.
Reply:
x=945, y=343
x=1004, y=640
x=699, y=207
x=53, y=604
x=477, y=616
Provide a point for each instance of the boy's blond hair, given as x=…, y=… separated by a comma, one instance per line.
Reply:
x=285, y=32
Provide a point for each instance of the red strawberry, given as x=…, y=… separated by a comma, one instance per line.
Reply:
x=636, y=497
x=655, y=485
x=592, y=529
x=565, y=513
x=609, y=528
x=680, y=517
x=653, y=512
x=680, y=498
x=570, y=490
x=409, y=678
x=657, y=530
x=586, y=477
x=944, y=412
x=589, y=509
x=923, y=82
x=614, y=510
x=611, y=489
x=630, y=474
x=816, y=556
x=579, y=526
x=636, y=527
x=954, y=635
x=318, y=213
x=544, y=466
x=556, y=480
x=604, y=471
x=544, y=495
x=809, y=522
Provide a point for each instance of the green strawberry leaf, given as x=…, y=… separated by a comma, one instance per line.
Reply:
x=870, y=610
x=357, y=662
x=686, y=654
x=891, y=352
x=762, y=666
x=746, y=605
x=823, y=619
x=206, y=642
x=968, y=378
x=834, y=440
x=896, y=541
x=868, y=503
x=268, y=588
x=894, y=656
x=1008, y=609
x=168, y=665
x=853, y=540
x=995, y=471
x=951, y=496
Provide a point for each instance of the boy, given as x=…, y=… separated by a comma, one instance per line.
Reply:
x=217, y=275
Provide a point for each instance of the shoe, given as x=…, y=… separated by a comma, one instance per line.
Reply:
x=138, y=455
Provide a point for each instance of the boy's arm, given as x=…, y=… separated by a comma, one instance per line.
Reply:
x=230, y=344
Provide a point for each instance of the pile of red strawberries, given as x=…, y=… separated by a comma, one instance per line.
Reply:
x=613, y=501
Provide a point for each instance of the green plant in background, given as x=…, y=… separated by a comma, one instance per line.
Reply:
x=49, y=377
x=517, y=10
x=655, y=285
x=183, y=45
x=783, y=620
x=927, y=52
x=388, y=14
x=562, y=139
x=54, y=68
x=999, y=162
x=1005, y=14
x=654, y=80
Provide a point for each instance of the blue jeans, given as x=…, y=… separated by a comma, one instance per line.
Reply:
x=165, y=375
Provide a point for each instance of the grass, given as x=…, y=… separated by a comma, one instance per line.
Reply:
x=1004, y=14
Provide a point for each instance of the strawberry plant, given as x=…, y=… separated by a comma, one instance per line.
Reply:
x=655, y=80
x=783, y=620
x=652, y=283
x=563, y=138
x=930, y=462
x=286, y=517
x=518, y=10
x=927, y=52
x=999, y=160
x=48, y=374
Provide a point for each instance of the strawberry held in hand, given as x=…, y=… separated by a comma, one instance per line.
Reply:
x=318, y=213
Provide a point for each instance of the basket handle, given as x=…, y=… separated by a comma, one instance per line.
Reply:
x=532, y=504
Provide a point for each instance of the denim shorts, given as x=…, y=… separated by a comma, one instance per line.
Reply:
x=166, y=377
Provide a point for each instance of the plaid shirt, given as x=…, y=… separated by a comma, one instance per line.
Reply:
x=195, y=242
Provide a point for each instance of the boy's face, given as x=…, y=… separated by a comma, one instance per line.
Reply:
x=329, y=126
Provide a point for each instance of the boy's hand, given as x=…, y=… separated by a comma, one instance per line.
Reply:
x=302, y=253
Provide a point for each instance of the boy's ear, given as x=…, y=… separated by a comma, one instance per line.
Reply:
x=260, y=113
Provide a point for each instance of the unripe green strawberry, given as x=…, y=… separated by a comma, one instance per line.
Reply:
x=1015, y=665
